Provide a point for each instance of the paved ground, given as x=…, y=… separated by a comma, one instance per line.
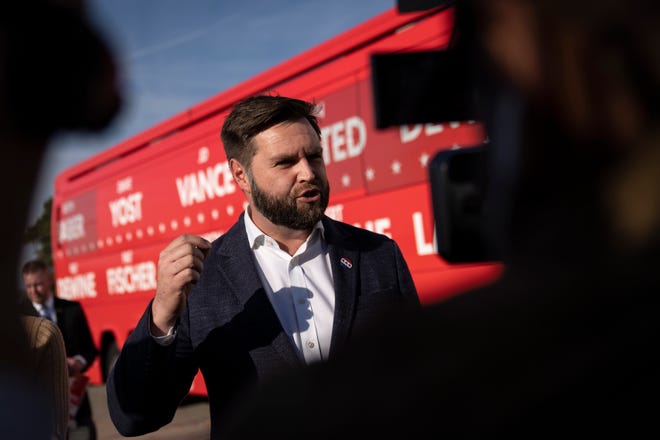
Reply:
x=191, y=421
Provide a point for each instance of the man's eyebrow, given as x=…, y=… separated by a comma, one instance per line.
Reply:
x=284, y=156
x=288, y=156
x=314, y=149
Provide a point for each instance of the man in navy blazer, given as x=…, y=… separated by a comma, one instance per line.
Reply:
x=71, y=320
x=285, y=287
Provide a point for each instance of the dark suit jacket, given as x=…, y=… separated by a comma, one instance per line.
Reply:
x=78, y=340
x=230, y=331
x=77, y=337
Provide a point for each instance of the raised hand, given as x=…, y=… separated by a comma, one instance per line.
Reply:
x=179, y=267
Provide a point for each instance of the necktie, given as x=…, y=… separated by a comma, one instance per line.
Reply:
x=46, y=313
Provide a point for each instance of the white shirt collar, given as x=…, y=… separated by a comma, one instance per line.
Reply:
x=49, y=304
x=258, y=238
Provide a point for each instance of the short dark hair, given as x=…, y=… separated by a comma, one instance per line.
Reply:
x=34, y=266
x=256, y=114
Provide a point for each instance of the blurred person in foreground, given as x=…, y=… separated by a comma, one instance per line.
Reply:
x=71, y=320
x=565, y=343
x=48, y=359
x=285, y=287
x=56, y=74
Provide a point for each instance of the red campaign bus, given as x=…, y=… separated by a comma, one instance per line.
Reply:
x=114, y=212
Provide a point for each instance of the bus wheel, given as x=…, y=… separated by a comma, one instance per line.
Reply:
x=109, y=358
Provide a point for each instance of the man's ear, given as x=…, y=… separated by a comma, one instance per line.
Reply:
x=240, y=174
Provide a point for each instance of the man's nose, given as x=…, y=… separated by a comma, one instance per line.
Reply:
x=305, y=171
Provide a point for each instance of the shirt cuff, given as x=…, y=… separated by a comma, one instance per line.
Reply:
x=82, y=360
x=165, y=340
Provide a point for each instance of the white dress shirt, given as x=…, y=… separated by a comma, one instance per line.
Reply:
x=300, y=288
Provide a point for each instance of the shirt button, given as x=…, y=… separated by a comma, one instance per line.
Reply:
x=310, y=344
x=302, y=301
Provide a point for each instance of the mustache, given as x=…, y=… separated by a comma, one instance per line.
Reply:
x=304, y=188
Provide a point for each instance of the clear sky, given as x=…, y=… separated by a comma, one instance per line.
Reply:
x=173, y=54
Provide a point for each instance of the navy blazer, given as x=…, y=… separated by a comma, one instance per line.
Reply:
x=75, y=329
x=78, y=340
x=230, y=331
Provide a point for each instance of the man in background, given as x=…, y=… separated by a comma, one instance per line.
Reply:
x=70, y=318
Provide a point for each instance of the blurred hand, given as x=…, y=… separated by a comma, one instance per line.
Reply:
x=74, y=365
x=179, y=267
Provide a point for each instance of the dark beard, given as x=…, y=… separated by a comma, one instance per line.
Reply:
x=285, y=212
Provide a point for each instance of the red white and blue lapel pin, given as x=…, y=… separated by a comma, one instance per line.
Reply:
x=346, y=262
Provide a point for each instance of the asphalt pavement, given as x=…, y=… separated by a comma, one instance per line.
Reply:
x=191, y=421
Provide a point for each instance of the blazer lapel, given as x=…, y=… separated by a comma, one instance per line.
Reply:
x=239, y=267
x=58, y=309
x=345, y=273
x=237, y=263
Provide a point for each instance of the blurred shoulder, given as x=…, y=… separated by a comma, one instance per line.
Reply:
x=40, y=331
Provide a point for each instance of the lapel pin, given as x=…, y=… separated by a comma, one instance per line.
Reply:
x=346, y=262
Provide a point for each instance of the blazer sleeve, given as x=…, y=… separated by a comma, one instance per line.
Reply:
x=85, y=343
x=149, y=380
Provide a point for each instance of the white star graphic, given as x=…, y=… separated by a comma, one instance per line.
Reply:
x=345, y=180
x=396, y=167
x=424, y=159
x=370, y=174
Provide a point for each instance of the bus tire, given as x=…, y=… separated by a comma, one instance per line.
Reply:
x=109, y=358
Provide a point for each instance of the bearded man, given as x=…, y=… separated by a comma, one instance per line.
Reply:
x=285, y=287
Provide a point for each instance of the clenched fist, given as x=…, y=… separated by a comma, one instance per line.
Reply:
x=179, y=267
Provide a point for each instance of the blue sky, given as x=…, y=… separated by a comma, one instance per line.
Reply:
x=173, y=54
